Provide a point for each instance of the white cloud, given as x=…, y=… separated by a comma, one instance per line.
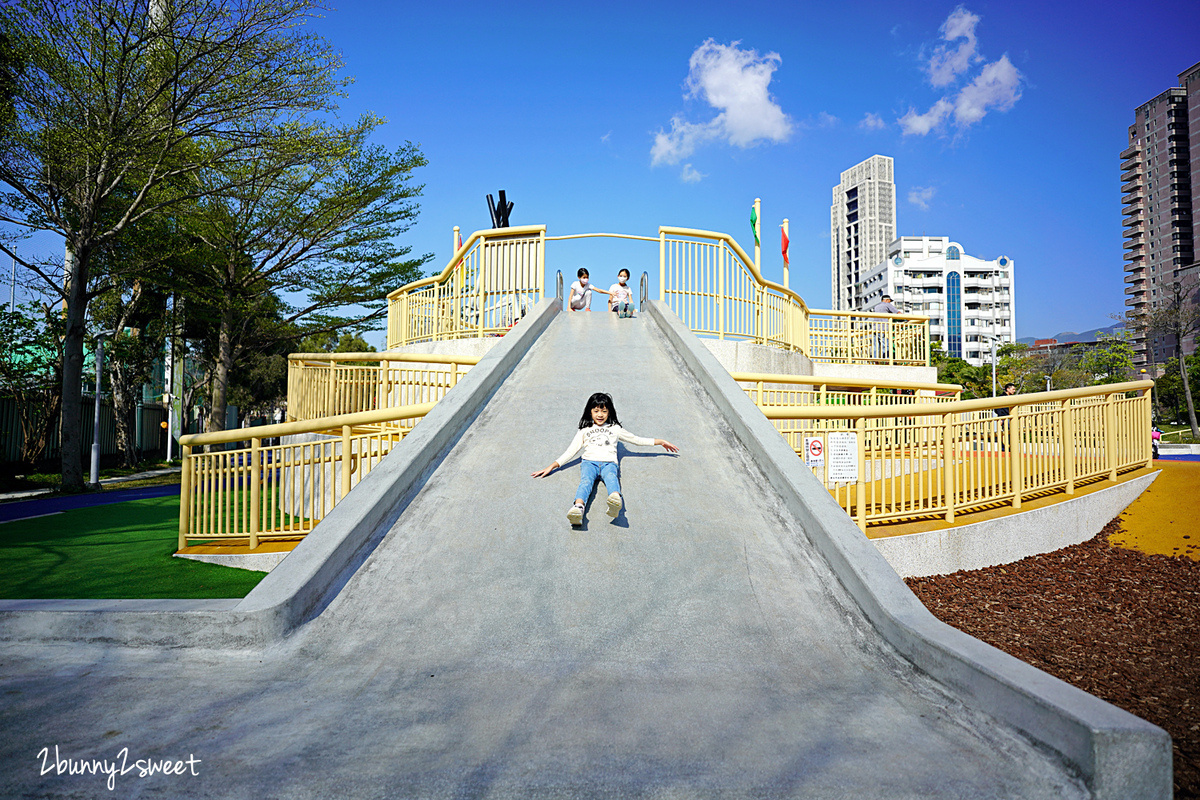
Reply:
x=997, y=86
x=872, y=122
x=921, y=195
x=735, y=83
x=826, y=120
x=931, y=120
x=947, y=64
x=690, y=175
x=605, y=137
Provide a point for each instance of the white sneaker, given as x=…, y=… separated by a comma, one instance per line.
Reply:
x=614, y=505
x=575, y=515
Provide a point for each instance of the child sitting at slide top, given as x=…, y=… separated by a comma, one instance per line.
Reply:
x=599, y=432
x=620, y=296
x=580, y=298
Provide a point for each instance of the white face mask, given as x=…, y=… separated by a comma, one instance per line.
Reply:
x=583, y=281
x=622, y=279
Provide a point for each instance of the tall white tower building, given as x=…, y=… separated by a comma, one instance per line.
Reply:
x=862, y=221
x=969, y=301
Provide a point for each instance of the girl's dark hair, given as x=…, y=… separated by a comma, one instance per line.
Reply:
x=598, y=400
x=582, y=271
x=622, y=269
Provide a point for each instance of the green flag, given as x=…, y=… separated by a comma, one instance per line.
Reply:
x=754, y=223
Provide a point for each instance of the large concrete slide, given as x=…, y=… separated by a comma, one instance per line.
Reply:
x=445, y=633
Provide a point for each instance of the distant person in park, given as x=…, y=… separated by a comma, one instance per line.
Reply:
x=885, y=306
x=1009, y=390
x=620, y=296
x=599, y=432
x=581, y=292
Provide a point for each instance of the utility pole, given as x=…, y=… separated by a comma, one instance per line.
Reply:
x=12, y=300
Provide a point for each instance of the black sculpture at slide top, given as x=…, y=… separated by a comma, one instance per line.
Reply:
x=499, y=213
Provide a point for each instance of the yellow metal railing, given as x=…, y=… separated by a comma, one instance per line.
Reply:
x=327, y=384
x=271, y=490
x=490, y=283
x=943, y=459
x=713, y=286
x=771, y=390
x=705, y=277
x=860, y=337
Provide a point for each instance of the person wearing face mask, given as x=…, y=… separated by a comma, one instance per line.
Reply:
x=580, y=298
x=620, y=296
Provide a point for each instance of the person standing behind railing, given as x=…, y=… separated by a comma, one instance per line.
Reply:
x=1009, y=390
x=884, y=306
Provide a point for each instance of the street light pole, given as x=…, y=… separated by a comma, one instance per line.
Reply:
x=95, y=472
x=12, y=299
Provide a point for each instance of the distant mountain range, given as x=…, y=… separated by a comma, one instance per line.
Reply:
x=1067, y=337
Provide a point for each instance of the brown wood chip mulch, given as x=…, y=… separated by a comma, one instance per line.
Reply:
x=1122, y=625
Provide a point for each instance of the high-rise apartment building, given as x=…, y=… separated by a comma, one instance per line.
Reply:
x=1160, y=179
x=969, y=300
x=862, y=221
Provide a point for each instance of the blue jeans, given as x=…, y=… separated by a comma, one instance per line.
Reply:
x=590, y=470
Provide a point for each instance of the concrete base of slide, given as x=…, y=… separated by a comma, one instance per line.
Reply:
x=445, y=633
x=1009, y=538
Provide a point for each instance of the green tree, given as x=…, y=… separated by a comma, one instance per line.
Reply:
x=1177, y=316
x=121, y=106
x=322, y=233
x=1110, y=360
x=30, y=365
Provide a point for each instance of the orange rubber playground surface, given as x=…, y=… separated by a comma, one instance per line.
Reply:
x=1165, y=519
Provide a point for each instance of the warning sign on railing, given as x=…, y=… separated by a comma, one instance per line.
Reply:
x=814, y=451
x=843, y=457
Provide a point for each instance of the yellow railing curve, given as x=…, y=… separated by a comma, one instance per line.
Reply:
x=325, y=384
x=888, y=463
x=486, y=287
x=271, y=490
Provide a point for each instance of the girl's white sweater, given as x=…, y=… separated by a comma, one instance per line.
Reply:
x=599, y=443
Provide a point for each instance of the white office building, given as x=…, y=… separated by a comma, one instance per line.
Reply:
x=969, y=301
x=862, y=220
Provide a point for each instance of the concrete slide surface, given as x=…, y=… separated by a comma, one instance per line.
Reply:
x=695, y=647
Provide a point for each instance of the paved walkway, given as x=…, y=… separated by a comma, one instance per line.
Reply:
x=697, y=646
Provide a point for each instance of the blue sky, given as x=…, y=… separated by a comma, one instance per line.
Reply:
x=561, y=105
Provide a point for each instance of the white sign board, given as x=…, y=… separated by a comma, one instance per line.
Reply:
x=843, y=457
x=814, y=451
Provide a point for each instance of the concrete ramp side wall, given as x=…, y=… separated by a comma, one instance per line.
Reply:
x=1117, y=754
x=315, y=571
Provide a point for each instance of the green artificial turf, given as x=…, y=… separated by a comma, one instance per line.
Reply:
x=117, y=551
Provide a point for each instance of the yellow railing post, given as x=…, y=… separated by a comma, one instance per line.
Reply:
x=721, y=293
x=185, y=496
x=1147, y=400
x=948, y=461
x=541, y=268
x=1110, y=435
x=345, y=461
x=860, y=432
x=662, y=266
x=759, y=386
x=255, y=489
x=480, y=272
x=1067, y=426
x=1016, y=455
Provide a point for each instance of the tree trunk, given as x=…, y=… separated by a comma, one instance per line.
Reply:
x=72, y=378
x=124, y=404
x=220, y=380
x=38, y=411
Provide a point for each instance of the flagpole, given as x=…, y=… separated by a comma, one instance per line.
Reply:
x=787, y=245
x=757, y=234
